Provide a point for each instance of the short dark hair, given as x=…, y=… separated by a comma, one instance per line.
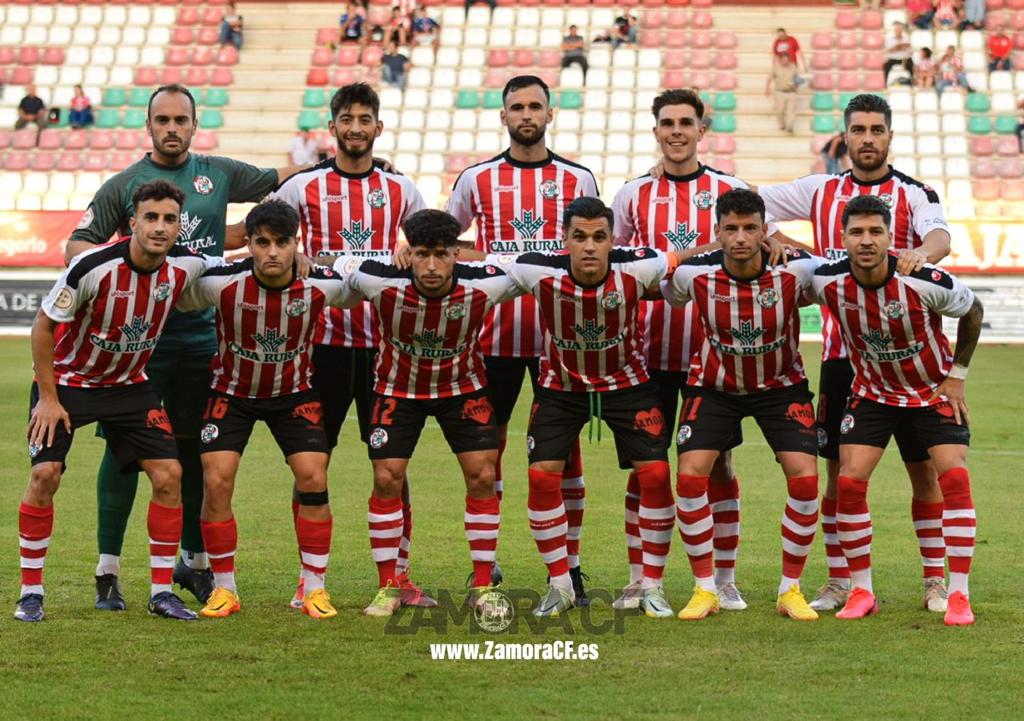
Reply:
x=274, y=215
x=158, y=190
x=589, y=209
x=349, y=95
x=524, y=81
x=868, y=103
x=172, y=88
x=739, y=201
x=866, y=205
x=679, y=97
x=430, y=228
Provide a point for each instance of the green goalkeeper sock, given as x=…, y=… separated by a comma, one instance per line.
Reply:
x=115, y=493
x=191, y=494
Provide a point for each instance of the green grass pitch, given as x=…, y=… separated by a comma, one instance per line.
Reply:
x=270, y=662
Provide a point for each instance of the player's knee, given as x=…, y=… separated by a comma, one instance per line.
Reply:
x=956, y=486
x=166, y=480
x=44, y=481
x=851, y=489
x=311, y=481
x=691, y=486
x=388, y=481
x=480, y=481
x=543, y=480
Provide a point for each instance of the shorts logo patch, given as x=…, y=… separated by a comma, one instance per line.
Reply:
x=683, y=435
x=822, y=438
x=209, y=433
x=549, y=189
x=530, y=444
x=202, y=184
x=802, y=413
x=378, y=438
x=34, y=449
x=703, y=199
x=295, y=308
x=162, y=292
x=479, y=410
x=87, y=219
x=377, y=199
x=651, y=422
x=64, y=299
x=847, y=425
x=894, y=310
x=311, y=411
x=611, y=300
x=158, y=418
x=455, y=311
x=944, y=409
x=767, y=298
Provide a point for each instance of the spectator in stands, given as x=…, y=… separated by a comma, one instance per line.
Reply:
x=231, y=27
x=786, y=44
x=898, y=52
x=303, y=149
x=31, y=109
x=490, y=3
x=924, y=69
x=784, y=81
x=999, y=47
x=835, y=154
x=398, y=27
x=948, y=14
x=80, y=114
x=425, y=30
x=974, y=15
x=574, y=50
x=394, y=66
x=351, y=24
x=949, y=72
x=920, y=13
x=624, y=29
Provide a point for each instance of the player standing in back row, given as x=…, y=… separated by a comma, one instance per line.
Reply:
x=517, y=200
x=919, y=234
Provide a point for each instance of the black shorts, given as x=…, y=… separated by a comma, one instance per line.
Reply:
x=505, y=380
x=135, y=425
x=295, y=421
x=341, y=376
x=633, y=414
x=785, y=416
x=869, y=423
x=468, y=422
x=670, y=385
x=833, y=394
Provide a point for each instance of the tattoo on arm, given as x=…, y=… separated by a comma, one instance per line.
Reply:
x=967, y=333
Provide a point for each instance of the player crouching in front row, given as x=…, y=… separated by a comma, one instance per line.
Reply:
x=266, y=316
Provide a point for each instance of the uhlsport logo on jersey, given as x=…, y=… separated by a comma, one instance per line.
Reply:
x=894, y=309
x=356, y=235
x=611, y=300
x=527, y=225
x=202, y=184
x=378, y=438
x=704, y=199
x=162, y=292
x=455, y=311
x=767, y=298
x=549, y=189
x=377, y=199
x=295, y=308
x=682, y=237
x=209, y=433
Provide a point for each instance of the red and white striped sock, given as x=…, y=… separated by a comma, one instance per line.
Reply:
x=482, y=521
x=574, y=496
x=958, y=526
x=837, y=568
x=656, y=519
x=221, y=541
x=314, y=539
x=549, y=525
x=696, y=527
x=634, y=545
x=724, y=499
x=402, y=565
x=386, y=521
x=853, y=526
x=164, y=525
x=799, y=522
x=928, y=527
x=35, y=526
x=499, y=482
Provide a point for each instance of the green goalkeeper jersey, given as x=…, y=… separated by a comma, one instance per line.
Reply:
x=209, y=183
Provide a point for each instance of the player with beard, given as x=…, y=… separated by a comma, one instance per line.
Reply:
x=518, y=200
x=919, y=235
x=179, y=366
x=347, y=204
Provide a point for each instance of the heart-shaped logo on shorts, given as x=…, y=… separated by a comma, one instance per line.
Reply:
x=651, y=422
x=802, y=413
x=479, y=409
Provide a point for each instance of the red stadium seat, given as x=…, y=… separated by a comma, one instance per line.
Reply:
x=1012, y=190
x=724, y=165
x=847, y=41
x=983, y=168
x=822, y=81
x=847, y=19
x=204, y=140
x=177, y=55
x=43, y=162
x=1008, y=148
x=982, y=145
x=524, y=58
x=549, y=58
x=322, y=57
x=378, y=16
x=821, y=61
x=16, y=161
x=5, y=139
x=652, y=19
x=700, y=60
x=818, y=143
x=701, y=3
x=602, y=3
x=182, y=35
x=700, y=39
x=128, y=140
x=371, y=56
x=699, y=80
x=649, y=38
x=170, y=76
x=201, y=76
x=725, y=61
x=208, y=36
x=823, y=41
x=1010, y=168
x=188, y=16
x=497, y=77
x=227, y=55
x=316, y=77
x=677, y=3
x=1015, y=4
x=497, y=58
x=674, y=79
x=899, y=4
x=873, y=40
x=1018, y=41
x=202, y=56
x=704, y=146
x=723, y=145
x=76, y=140
x=50, y=139
x=118, y=161
x=345, y=76
x=212, y=17
x=872, y=61
x=145, y=76
x=673, y=59
x=995, y=5
x=849, y=61
x=848, y=82
x=872, y=82
x=725, y=40
x=1018, y=61
x=99, y=140
x=675, y=19
x=871, y=20
x=21, y=75
x=553, y=78
x=675, y=39
x=28, y=55
x=725, y=81
x=985, y=189
x=1018, y=21
x=69, y=162
x=348, y=55
x=222, y=77
x=7, y=56
x=702, y=19
x=53, y=56
x=191, y=2
x=326, y=35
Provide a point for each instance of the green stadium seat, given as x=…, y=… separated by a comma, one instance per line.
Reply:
x=570, y=100
x=977, y=103
x=492, y=100
x=107, y=118
x=310, y=120
x=724, y=102
x=845, y=98
x=215, y=97
x=705, y=97
x=823, y=125
x=134, y=119
x=979, y=125
x=823, y=102
x=114, y=97
x=723, y=123
x=467, y=100
x=139, y=97
x=314, y=98
x=1006, y=124
x=211, y=120
x=64, y=120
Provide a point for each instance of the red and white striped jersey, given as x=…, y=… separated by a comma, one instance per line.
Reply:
x=751, y=327
x=111, y=314
x=894, y=332
x=264, y=335
x=518, y=208
x=821, y=199
x=429, y=347
x=353, y=214
x=673, y=212
x=591, y=337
